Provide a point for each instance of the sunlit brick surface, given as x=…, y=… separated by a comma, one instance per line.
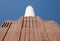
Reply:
x=30, y=29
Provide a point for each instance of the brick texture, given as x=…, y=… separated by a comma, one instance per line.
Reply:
x=30, y=29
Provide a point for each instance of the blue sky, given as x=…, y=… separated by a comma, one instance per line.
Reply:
x=46, y=9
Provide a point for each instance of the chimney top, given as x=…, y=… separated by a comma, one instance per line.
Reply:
x=29, y=11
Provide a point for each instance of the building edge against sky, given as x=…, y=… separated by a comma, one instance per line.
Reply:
x=29, y=12
x=29, y=28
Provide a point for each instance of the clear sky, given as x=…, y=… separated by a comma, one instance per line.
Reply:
x=13, y=9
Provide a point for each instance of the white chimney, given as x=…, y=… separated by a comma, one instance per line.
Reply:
x=29, y=11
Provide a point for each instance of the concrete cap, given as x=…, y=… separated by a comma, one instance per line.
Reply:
x=29, y=11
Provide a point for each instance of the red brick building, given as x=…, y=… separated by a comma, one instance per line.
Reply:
x=30, y=29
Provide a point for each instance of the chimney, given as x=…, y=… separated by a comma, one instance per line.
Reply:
x=29, y=11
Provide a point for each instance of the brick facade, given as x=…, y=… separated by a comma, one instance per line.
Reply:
x=30, y=29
